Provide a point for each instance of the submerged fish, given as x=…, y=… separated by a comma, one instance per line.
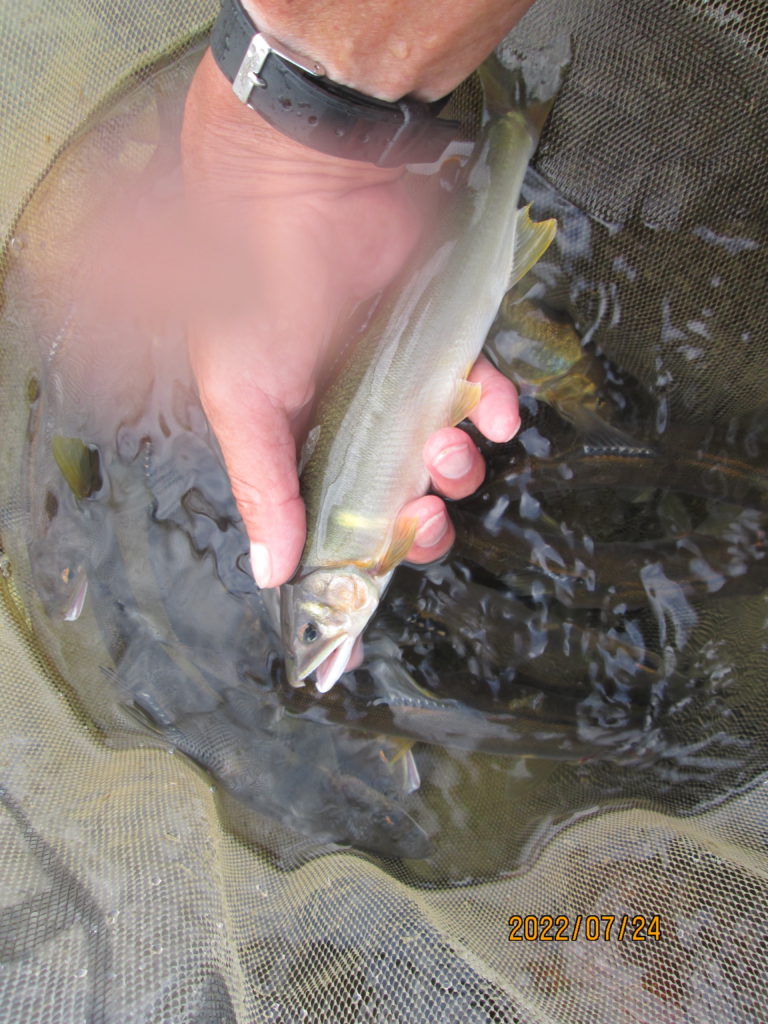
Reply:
x=688, y=463
x=60, y=545
x=544, y=357
x=79, y=464
x=61, y=584
x=405, y=379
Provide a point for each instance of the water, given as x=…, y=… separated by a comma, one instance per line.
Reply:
x=596, y=636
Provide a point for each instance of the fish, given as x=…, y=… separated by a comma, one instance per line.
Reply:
x=405, y=379
x=584, y=573
x=79, y=464
x=60, y=540
x=687, y=463
x=286, y=771
x=544, y=358
x=60, y=578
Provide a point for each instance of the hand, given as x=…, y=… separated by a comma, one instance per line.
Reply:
x=293, y=240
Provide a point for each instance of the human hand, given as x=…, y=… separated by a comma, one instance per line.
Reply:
x=294, y=240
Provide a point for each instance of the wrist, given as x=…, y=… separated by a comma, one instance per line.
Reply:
x=389, y=49
x=321, y=38
x=225, y=144
x=293, y=93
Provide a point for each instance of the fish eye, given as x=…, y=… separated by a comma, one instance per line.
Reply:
x=309, y=633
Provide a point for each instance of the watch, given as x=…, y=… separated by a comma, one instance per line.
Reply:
x=294, y=95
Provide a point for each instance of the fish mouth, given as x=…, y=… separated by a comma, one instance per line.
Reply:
x=329, y=666
x=334, y=665
x=75, y=605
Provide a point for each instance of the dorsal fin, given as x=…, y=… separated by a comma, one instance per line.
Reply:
x=532, y=239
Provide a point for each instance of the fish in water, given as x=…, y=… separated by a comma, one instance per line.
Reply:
x=58, y=551
x=404, y=380
x=58, y=573
x=544, y=357
x=79, y=464
x=61, y=530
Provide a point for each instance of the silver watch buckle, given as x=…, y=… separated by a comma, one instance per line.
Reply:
x=248, y=78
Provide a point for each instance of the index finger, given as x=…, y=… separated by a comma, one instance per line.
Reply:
x=496, y=415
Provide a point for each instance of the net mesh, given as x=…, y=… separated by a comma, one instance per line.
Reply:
x=132, y=888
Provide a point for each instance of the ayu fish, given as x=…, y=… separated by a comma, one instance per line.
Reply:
x=405, y=379
x=545, y=359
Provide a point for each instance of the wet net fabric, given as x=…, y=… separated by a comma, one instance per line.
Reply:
x=133, y=889
x=679, y=155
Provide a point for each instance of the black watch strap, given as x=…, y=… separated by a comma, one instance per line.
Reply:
x=297, y=99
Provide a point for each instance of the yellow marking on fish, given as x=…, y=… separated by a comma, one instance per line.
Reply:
x=357, y=520
x=315, y=610
x=363, y=563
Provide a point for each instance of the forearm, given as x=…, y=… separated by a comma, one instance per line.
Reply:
x=391, y=48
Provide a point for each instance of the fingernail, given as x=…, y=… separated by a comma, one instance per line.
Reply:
x=261, y=565
x=454, y=461
x=432, y=531
x=503, y=428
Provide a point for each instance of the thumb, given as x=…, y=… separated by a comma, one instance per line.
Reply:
x=254, y=434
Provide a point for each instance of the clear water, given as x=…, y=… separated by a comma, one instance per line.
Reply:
x=596, y=636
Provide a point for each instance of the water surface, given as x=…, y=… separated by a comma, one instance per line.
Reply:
x=595, y=639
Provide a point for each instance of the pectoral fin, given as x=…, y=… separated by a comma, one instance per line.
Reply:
x=464, y=400
x=532, y=239
x=409, y=773
x=399, y=546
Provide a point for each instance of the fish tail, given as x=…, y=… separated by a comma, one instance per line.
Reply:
x=597, y=432
x=520, y=84
x=503, y=89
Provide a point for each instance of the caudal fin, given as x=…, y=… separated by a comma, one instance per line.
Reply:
x=527, y=83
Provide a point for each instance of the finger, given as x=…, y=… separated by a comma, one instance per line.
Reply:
x=496, y=415
x=454, y=463
x=434, y=534
x=260, y=454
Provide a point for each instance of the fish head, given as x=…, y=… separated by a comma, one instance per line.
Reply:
x=321, y=616
x=60, y=579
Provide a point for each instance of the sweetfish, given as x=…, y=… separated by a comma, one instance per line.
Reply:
x=404, y=379
x=544, y=358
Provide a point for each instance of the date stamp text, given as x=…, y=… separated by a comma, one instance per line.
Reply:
x=593, y=928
